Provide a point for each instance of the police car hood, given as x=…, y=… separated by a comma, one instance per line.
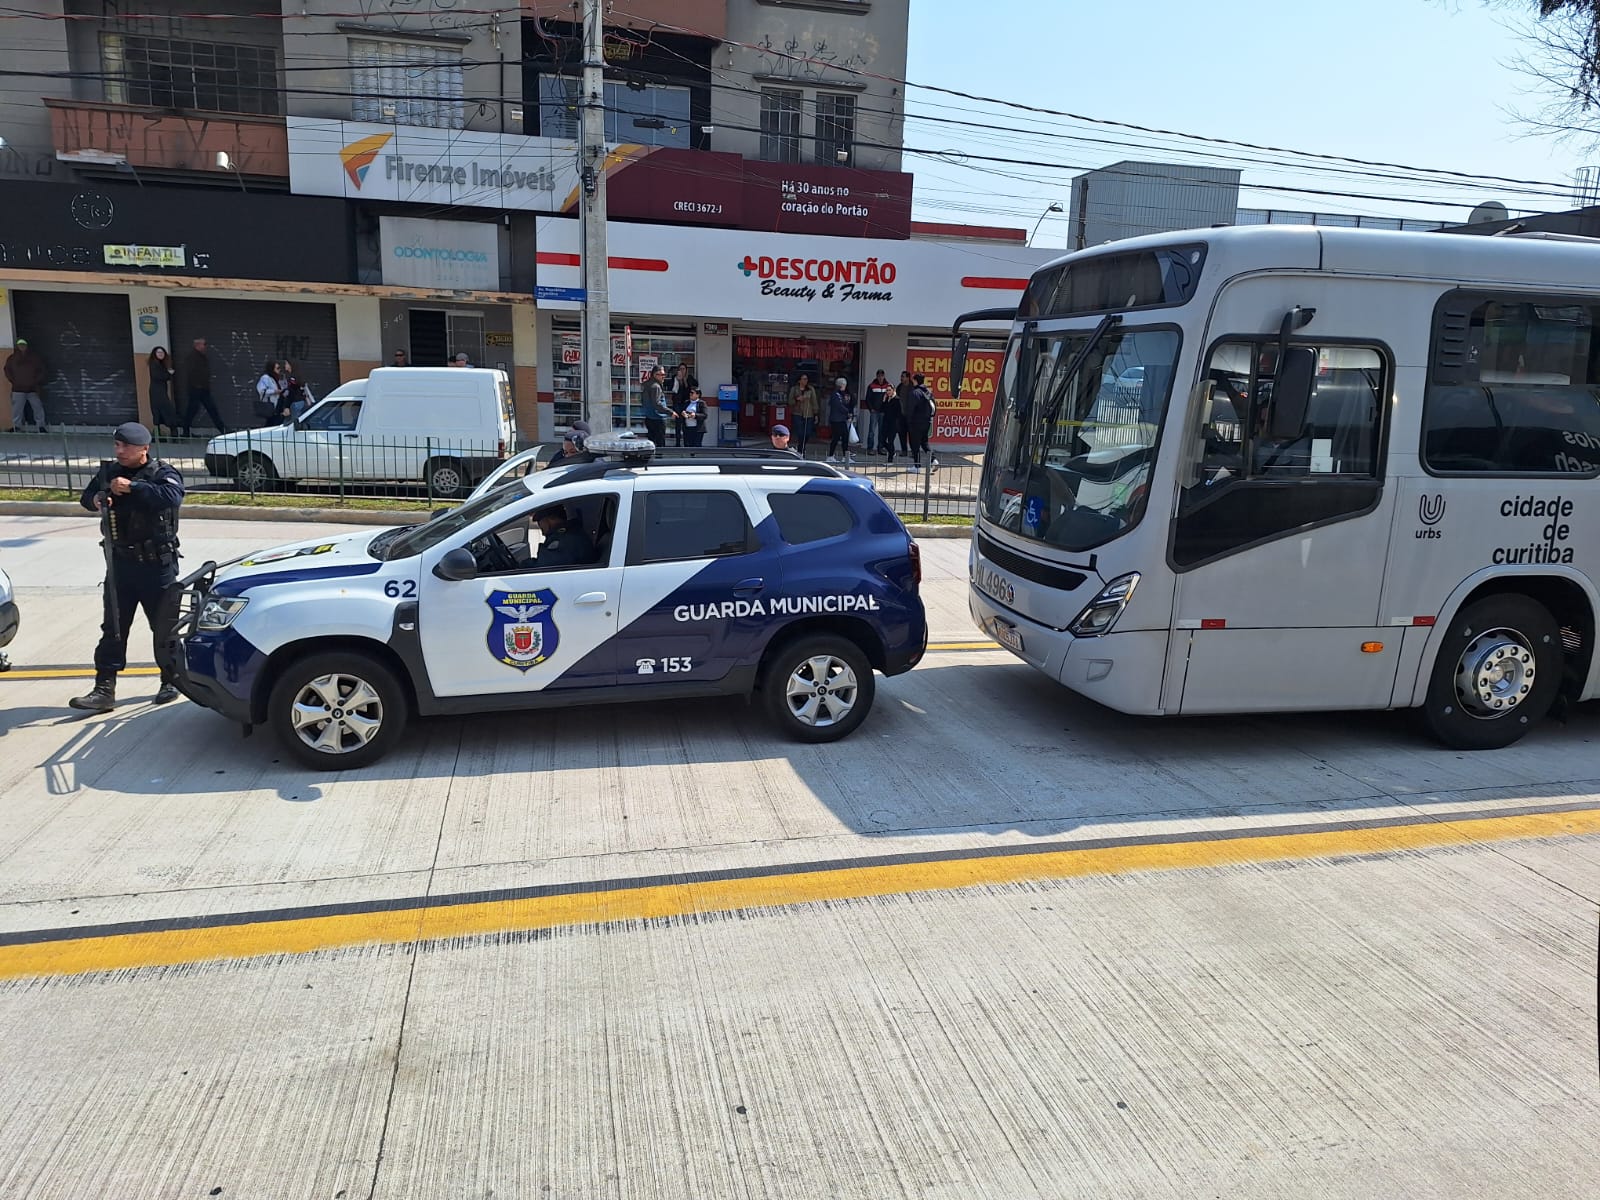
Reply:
x=315, y=556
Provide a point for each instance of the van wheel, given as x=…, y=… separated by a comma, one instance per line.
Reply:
x=337, y=711
x=1496, y=675
x=254, y=472
x=446, y=477
x=818, y=689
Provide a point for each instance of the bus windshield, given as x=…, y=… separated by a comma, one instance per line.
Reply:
x=1070, y=452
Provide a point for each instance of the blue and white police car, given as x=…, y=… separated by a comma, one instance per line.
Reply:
x=624, y=576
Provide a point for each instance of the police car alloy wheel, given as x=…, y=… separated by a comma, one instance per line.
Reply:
x=337, y=711
x=1496, y=674
x=818, y=689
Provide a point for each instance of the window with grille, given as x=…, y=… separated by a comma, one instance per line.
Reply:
x=836, y=128
x=650, y=116
x=780, y=125
x=202, y=76
x=407, y=83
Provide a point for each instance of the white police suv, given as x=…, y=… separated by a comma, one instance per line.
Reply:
x=624, y=577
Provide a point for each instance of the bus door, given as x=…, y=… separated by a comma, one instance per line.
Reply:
x=1282, y=531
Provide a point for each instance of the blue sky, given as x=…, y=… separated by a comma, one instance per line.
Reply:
x=1420, y=82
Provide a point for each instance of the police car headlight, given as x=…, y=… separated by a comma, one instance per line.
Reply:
x=1103, y=611
x=218, y=612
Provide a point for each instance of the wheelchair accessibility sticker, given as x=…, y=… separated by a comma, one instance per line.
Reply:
x=523, y=634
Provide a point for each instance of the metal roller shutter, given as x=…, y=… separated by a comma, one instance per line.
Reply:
x=87, y=339
x=242, y=335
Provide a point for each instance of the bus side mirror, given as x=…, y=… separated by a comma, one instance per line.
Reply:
x=1291, y=392
x=958, y=363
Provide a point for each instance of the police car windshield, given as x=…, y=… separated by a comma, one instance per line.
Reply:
x=431, y=533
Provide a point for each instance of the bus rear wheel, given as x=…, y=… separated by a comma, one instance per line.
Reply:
x=1497, y=673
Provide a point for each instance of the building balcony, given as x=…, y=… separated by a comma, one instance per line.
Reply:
x=93, y=134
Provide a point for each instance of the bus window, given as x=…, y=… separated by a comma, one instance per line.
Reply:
x=1524, y=400
x=1252, y=477
x=1070, y=456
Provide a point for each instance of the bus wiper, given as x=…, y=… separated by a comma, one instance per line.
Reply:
x=1096, y=336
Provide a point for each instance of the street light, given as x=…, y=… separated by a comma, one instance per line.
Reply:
x=225, y=163
x=1053, y=208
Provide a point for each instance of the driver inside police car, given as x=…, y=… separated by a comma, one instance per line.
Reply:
x=565, y=543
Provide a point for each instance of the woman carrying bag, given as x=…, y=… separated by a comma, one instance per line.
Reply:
x=270, y=404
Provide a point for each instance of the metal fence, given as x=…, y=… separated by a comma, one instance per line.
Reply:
x=269, y=462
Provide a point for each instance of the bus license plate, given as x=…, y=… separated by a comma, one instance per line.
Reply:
x=1007, y=635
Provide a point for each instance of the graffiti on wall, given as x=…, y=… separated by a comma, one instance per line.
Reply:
x=804, y=60
x=436, y=14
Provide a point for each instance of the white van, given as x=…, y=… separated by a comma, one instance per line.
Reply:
x=445, y=427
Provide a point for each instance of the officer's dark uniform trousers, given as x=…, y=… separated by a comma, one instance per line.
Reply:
x=145, y=550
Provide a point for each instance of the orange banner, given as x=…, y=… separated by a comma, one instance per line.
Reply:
x=965, y=421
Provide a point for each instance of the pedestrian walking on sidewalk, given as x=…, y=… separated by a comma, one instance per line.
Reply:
x=919, y=423
x=137, y=498
x=841, y=418
x=804, y=408
x=26, y=371
x=197, y=380
x=163, y=408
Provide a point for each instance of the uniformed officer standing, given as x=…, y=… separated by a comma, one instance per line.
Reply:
x=565, y=543
x=138, y=498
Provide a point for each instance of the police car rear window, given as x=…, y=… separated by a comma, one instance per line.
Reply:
x=677, y=525
x=809, y=516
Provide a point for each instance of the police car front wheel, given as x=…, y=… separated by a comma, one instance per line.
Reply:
x=337, y=711
x=818, y=689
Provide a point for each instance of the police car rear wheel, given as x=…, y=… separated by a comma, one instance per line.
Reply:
x=818, y=689
x=337, y=711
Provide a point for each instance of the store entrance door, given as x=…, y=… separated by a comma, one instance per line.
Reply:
x=767, y=366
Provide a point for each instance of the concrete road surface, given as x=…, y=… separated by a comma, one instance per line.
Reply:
x=999, y=943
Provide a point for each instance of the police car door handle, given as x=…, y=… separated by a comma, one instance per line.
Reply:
x=591, y=598
x=747, y=586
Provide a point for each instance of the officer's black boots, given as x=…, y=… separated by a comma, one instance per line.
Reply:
x=167, y=693
x=104, y=696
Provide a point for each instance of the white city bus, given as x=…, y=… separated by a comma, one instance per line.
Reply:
x=1356, y=470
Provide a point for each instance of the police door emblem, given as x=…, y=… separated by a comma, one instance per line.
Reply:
x=522, y=634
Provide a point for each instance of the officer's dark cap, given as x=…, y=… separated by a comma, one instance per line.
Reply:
x=131, y=433
x=551, y=510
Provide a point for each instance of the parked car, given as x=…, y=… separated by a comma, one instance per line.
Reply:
x=682, y=578
x=10, y=618
x=445, y=427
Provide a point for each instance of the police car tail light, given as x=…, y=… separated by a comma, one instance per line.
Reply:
x=916, y=565
x=218, y=612
x=1102, y=612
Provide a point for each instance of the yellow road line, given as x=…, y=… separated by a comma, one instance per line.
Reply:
x=980, y=645
x=298, y=935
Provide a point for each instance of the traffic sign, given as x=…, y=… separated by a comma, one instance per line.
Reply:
x=574, y=295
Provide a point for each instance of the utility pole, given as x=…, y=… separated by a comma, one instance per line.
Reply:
x=596, y=286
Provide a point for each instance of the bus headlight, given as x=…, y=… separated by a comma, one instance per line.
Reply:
x=1103, y=611
x=218, y=612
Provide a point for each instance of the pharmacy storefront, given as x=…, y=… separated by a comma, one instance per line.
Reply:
x=751, y=312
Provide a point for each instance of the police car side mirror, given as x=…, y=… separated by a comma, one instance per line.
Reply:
x=457, y=565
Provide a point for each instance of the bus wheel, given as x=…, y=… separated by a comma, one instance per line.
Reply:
x=1497, y=673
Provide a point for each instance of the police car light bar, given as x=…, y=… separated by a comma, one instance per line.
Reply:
x=626, y=445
